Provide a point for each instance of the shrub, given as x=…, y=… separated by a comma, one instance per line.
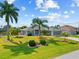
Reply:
x=32, y=43
x=45, y=32
x=43, y=42
x=66, y=34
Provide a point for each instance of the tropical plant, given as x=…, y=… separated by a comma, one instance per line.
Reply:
x=9, y=12
x=45, y=32
x=32, y=26
x=40, y=23
x=43, y=42
x=65, y=34
x=14, y=31
x=32, y=43
x=57, y=26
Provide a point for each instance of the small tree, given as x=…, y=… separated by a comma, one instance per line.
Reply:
x=65, y=34
x=14, y=31
x=45, y=32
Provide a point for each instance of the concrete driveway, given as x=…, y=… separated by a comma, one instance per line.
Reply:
x=71, y=38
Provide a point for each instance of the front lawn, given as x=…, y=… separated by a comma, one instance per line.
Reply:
x=22, y=51
x=76, y=36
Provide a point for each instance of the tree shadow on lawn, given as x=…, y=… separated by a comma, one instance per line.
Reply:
x=21, y=48
x=52, y=41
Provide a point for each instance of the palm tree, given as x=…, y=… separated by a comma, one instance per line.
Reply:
x=10, y=13
x=40, y=23
x=32, y=26
x=57, y=26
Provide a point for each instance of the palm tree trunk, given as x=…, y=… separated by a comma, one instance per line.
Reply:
x=8, y=37
x=48, y=31
x=33, y=32
x=39, y=30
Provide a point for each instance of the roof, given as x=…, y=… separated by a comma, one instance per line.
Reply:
x=68, y=28
x=35, y=28
x=27, y=29
x=54, y=29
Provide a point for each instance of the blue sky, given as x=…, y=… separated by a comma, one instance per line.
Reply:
x=55, y=11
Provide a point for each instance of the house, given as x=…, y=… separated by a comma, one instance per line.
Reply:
x=70, y=29
x=77, y=30
x=35, y=31
x=52, y=30
x=31, y=31
x=26, y=31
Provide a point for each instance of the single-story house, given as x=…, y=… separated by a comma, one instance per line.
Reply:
x=30, y=31
x=70, y=29
x=53, y=31
x=35, y=31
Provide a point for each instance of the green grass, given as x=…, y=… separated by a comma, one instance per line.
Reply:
x=75, y=36
x=9, y=50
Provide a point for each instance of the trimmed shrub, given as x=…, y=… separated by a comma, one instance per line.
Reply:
x=66, y=34
x=43, y=42
x=32, y=43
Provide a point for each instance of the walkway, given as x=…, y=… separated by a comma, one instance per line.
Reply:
x=71, y=38
x=72, y=55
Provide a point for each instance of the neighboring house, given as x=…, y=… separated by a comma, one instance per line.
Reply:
x=52, y=30
x=77, y=30
x=70, y=29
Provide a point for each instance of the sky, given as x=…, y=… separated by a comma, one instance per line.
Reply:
x=57, y=12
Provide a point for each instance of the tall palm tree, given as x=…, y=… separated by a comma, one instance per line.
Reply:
x=32, y=26
x=57, y=26
x=10, y=13
x=40, y=23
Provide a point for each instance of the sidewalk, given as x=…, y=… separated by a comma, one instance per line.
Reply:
x=71, y=38
x=72, y=55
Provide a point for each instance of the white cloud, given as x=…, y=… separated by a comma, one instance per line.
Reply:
x=66, y=16
x=73, y=5
x=76, y=2
x=43, y=10
x=65, y=12
x=47, y=4
x=26, y=15
x=52, y=16
x=10, y=1
x=39, y=3
x=72, y=11
x=32, y=15
x=23, y=8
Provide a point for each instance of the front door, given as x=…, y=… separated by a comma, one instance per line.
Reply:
x=36, y=32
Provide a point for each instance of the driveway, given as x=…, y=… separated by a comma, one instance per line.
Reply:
x=71, y=38
x=72, y=55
